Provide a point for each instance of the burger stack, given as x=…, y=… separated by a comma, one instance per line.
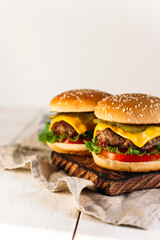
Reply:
x=104, y=137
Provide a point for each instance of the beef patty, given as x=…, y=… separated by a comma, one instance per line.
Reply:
x=62, y=127
x=110, y=138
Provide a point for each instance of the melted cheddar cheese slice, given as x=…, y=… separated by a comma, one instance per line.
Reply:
x=139, y=139
x=81, y=122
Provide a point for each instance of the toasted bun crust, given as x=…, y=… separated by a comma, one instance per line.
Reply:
x=133, y=108
x=126, y=166
x=78, y=100
x=68, y=148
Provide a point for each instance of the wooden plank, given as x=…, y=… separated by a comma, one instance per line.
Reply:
x=91, y=228
x=23, y=201
x=26, y=203
x=109, y=182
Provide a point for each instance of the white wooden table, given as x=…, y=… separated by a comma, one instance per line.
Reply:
x=24, y=203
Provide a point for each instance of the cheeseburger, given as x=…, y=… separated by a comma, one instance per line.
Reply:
x=127, y=134
x=72, y=121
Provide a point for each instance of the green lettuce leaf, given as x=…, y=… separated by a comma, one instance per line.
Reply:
x=46, y=134
x=157, y=148
x=93, y=147
x=87, y=134
x=49, y=136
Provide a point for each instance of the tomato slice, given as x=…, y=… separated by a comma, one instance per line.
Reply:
x=130, y=158
x=79, y=141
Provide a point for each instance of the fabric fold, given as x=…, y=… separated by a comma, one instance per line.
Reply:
x=140, y=209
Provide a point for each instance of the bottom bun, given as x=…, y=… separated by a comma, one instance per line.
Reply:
x=126, y=166
x=69, y=148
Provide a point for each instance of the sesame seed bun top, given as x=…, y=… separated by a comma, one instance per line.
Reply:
x=132, y=108
x=78, y=100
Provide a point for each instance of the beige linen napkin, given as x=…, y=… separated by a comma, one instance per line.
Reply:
x=140, y=209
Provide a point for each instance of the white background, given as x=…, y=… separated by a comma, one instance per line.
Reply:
x=47, y=46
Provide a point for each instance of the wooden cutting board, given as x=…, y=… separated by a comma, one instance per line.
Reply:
x=109, y=182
